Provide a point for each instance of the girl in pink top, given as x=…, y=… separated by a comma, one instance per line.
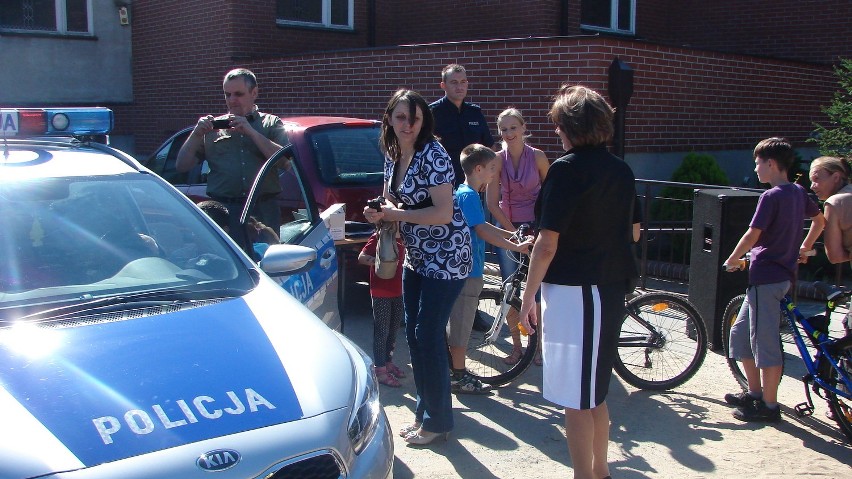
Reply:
x=511, y=198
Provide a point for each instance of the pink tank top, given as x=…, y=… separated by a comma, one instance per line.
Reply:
x=519, y=188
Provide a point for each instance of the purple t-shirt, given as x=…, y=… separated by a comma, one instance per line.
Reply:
x=780, y=216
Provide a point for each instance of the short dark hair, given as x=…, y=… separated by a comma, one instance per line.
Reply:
x=388, y=140
x=583, y=115
x=475, y=155
x=778, y=149
x=450, y=69
x=217, y=212
x=245, y=74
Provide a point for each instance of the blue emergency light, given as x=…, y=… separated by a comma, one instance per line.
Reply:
x=70, y=121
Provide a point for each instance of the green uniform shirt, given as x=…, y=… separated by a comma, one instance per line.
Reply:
x=235, y=160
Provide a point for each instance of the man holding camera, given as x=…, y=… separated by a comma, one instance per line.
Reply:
x=236, y=145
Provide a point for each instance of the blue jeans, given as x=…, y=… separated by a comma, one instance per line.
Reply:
x=428, y=303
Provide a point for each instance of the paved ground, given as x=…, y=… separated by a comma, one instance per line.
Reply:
x=689, y=432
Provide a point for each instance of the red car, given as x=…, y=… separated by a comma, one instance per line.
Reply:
x=339, y=160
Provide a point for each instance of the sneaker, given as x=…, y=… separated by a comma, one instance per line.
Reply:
x=467, y=384
x=741, y=399
x=757, y=411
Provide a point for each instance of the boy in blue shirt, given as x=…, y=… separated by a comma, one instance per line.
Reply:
x=773, y=239
x=479, y=167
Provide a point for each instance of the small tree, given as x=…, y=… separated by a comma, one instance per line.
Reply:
x=835, y=137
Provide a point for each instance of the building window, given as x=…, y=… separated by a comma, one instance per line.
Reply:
x=609, y=15
x=54, y=16
x=316, y=13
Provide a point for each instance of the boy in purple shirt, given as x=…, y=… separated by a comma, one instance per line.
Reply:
x=773, y=239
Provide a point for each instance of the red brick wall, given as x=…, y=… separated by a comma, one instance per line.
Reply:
x=806, y=30
x=683, y=99
x=414, y=21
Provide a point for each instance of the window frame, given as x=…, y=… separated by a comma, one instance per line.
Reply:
x=61, y=8
x=613, y=19
x=325, y=24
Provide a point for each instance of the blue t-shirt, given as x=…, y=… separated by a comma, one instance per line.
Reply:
x=471, y=208
x=780, y=216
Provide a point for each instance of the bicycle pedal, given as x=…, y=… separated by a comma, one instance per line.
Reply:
x=803, y=409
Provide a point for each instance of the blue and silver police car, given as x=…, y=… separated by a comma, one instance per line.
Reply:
x=138, y=341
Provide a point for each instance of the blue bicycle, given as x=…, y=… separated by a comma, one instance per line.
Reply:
x=829, y=370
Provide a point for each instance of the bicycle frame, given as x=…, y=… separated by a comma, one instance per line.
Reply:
x=821, y=342
x=652, y=339
x=510, y=289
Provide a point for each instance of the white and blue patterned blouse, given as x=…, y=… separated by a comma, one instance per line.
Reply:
x=433, y=251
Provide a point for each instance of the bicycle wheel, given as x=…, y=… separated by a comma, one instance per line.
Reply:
x=841, y=407
x=484, y=357
x=728, y=318
x=663, y=342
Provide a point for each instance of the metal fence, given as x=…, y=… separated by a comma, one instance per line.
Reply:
x=664, y=249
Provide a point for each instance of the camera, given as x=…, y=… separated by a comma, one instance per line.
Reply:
x=221, y=123
x=376, y=203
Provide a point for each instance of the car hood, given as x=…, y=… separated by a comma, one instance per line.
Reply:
x=85, y=394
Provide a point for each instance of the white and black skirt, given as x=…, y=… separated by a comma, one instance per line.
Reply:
x=580, y=330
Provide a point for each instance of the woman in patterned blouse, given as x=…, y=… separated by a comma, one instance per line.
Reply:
x=419, y=190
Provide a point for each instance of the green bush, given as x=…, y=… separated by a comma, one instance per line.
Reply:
x=674, y=204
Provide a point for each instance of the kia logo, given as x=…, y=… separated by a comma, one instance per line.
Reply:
x=218, y=460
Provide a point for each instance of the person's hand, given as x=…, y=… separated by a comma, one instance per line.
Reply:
x=524, y=246
x=527, y=317
x=241, y=125
x=734, y=264
x=372, y=215
x=804, y=253
x=204, y=125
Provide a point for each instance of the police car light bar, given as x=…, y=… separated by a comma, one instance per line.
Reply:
x=23, y=122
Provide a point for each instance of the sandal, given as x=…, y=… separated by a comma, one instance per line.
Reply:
x=394, y=369
x=386, y=378
x=468, y=384
x=514, y=357
x=406, y=430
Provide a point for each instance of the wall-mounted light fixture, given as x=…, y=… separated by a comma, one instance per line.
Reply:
x=123, y=11
x=123, y=17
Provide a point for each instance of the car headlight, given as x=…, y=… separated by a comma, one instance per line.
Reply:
x=365, y=409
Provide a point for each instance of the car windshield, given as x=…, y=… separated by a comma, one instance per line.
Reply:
x=67, y=240
x=348, y=155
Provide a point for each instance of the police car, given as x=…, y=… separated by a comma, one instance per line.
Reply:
x=137, y=340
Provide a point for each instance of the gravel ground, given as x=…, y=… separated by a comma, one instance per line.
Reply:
x=689, y=432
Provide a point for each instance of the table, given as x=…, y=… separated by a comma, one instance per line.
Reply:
x=347, y=247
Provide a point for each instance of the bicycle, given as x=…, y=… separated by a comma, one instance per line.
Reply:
x=829, y=370
x=663, y=340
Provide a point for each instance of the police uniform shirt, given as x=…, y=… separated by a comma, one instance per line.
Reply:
x=458, y=127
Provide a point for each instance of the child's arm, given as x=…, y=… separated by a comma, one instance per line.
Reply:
x=497, y=237
x=745, y=244
x=817, y=226
x=366, y=259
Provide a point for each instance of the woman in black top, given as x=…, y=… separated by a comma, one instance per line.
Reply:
x=583, y=262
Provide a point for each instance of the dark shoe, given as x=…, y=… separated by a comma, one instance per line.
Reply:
x=741, y=399
x=757, y=411
x=467, y=384
x=480, y=324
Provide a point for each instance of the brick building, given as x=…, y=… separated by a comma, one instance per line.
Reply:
x=708, y=76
